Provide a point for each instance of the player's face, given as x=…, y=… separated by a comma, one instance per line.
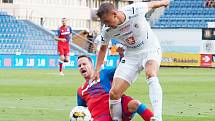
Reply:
x=85, y=67
x=64, y=22
x=110, y=19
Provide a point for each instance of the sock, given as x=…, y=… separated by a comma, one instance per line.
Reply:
x=116, y=109
x=144, y=112
x=155, y=95
x=60, y=66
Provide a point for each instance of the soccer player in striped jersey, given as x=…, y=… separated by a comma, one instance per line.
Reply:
x=63, y=37
x=94, y=94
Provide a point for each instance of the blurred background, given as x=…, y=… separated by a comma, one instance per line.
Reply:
x=27, y=27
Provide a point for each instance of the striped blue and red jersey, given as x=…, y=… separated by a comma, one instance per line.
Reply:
x=64, y=32
x=95, y=95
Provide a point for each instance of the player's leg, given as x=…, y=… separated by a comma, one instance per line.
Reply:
x=143, y=111
x=67, y=58
x=61, y=60
x=119, y=86
x=67, y=53
x=125, y=73
x=155, y=91
x=130, y=107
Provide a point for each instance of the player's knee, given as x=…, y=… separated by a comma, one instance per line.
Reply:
x=150, y=74
x=66, y=60
x=114, y=94
x=62, y=58
x=133, y=105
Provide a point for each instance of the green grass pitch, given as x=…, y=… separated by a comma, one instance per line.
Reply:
x=43, y=95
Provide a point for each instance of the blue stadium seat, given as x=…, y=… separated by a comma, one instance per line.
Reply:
x=19, y=35
x=189, y=10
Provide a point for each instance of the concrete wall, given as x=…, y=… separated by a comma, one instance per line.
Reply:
x=180, y=40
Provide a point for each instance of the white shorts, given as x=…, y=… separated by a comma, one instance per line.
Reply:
x=131, y=65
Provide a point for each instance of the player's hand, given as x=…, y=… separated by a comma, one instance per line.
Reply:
x=95, y=75
x=165, y=3
x=63, y=40
x=56, y=38
x=59, y=39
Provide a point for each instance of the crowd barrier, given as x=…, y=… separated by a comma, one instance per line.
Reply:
x=51, y=61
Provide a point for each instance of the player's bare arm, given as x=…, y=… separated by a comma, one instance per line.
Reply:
x=157, y=4
x=100, y=60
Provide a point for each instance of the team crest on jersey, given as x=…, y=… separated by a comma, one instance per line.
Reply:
x=130, y=40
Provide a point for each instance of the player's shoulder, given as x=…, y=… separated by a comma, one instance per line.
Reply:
x=107, y=71
x=69, y=27
x=82, y=86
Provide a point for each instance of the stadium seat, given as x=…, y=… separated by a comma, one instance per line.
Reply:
x=20, y=35
x=189, y=10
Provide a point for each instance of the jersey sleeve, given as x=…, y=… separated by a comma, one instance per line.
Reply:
x=109, y=73
x=141, y=7
x=105, y=37
x=80, y=101
x=57, y=33
x=70, y=30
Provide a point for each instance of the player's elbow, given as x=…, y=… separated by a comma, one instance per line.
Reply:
x=133, y=105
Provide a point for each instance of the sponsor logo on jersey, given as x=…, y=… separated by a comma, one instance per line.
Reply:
x=136, y=46
x=136, y=15
x=128, y=33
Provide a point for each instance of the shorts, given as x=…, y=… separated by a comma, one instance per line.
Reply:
x=131, y=65
x=64, y=49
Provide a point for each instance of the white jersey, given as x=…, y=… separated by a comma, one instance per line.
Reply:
x=135, y=32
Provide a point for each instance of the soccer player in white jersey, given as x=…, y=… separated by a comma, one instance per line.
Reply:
x=129, y=27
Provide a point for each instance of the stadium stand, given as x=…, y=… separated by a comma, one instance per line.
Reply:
x=25, y=37
x=186, y=14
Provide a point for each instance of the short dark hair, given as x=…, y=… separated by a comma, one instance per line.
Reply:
x=85, y=56
x=104, y=9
